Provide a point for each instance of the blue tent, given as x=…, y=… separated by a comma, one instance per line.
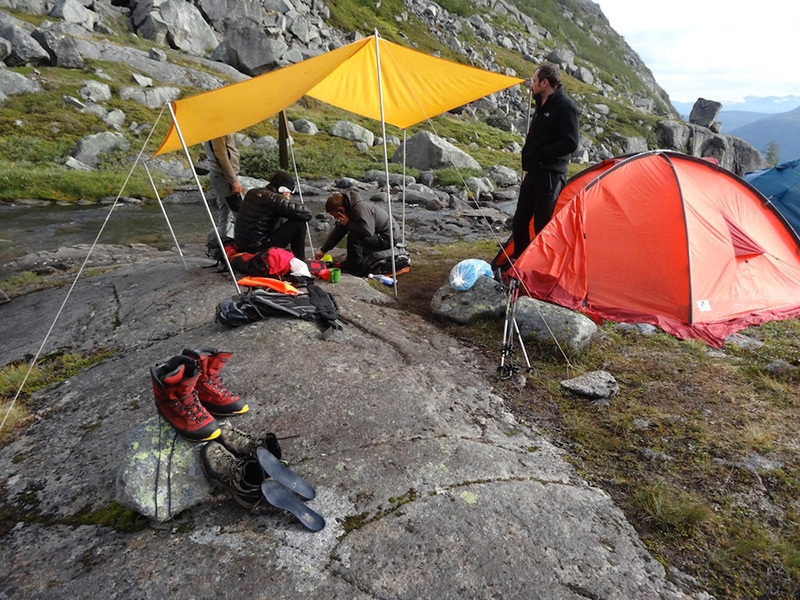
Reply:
x=781, y=186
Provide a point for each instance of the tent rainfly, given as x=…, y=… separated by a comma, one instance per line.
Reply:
x=781, y=186
x=667, y=239
x=370, y=77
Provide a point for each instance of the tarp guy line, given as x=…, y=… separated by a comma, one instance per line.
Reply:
x=77, y=276
x=164, y=212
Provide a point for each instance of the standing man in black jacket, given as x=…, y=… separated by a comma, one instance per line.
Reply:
x=553, y=136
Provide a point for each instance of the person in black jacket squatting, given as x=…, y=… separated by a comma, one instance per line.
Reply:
x=369, y=232
x=269, y=218
x=553, y=136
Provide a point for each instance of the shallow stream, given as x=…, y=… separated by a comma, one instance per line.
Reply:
x=25, y=229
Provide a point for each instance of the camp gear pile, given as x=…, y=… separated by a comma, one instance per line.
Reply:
x=259, y=303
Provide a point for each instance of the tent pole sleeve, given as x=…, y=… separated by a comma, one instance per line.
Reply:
x=203, y=196
x=386, y=162
x=164, y=212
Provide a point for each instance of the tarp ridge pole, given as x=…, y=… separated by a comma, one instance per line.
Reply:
x=403, y=237
x=290, y=143
x=164, y=212
x=203, y=196
x=283, y=136
x=386, y=161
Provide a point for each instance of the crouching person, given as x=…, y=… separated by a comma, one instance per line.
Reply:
x=369, y=239
x=269, y=218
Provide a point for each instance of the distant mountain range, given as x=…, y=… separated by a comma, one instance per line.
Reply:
x=769, y=105
x=783, y=129
x=760, y=121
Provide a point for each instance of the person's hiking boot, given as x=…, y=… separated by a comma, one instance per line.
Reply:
x=217, y=399
x=243, y=444
x=240, y=477
x=176, y=399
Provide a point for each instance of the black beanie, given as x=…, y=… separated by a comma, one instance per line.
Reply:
x=282, y=179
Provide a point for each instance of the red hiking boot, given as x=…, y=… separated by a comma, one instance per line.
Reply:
x=176, y=399
x=217, y=399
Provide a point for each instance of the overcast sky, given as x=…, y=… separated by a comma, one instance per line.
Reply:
x=720, y=50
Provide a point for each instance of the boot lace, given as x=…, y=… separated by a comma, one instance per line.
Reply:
x=216, y=384
x=191, y=407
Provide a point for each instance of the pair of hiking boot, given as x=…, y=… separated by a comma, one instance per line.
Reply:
x=189, y=393
x=230, y=461
x=250, y=470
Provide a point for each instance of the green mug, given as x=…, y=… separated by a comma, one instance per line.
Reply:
x=336, y=275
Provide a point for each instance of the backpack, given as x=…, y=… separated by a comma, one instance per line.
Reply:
x=258, y=304
x=381, y=262
x=217, y=254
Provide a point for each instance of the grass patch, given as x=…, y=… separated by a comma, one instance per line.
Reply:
x=671, y=447
x=48, y=182
x=670, y=510
x=19, y=380
x=23, y=280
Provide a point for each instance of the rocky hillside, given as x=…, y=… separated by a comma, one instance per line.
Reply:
x=138, y=55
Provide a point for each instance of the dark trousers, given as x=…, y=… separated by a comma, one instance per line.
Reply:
x=291, y=234
x=360, y=252
x=537, y=199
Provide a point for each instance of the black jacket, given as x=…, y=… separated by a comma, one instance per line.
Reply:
x=553, y=135
x=262, y=212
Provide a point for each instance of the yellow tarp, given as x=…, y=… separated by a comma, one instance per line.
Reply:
x=416, y=86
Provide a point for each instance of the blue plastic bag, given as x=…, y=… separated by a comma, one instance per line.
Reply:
x=464, y=275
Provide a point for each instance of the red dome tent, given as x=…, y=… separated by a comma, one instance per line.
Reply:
x=667, y=239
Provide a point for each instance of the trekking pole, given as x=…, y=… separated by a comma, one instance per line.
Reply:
x=521, y=341
x=507, y=349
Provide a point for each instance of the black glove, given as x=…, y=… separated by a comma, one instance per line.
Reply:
x=234, y=202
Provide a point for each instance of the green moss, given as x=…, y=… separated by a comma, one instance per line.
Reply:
x=50, y=368
x=353, y=522
x=114, y=516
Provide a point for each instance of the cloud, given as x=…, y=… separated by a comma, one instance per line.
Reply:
x=712, y=48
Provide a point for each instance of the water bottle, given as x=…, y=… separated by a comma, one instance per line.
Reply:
x=384, y=279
